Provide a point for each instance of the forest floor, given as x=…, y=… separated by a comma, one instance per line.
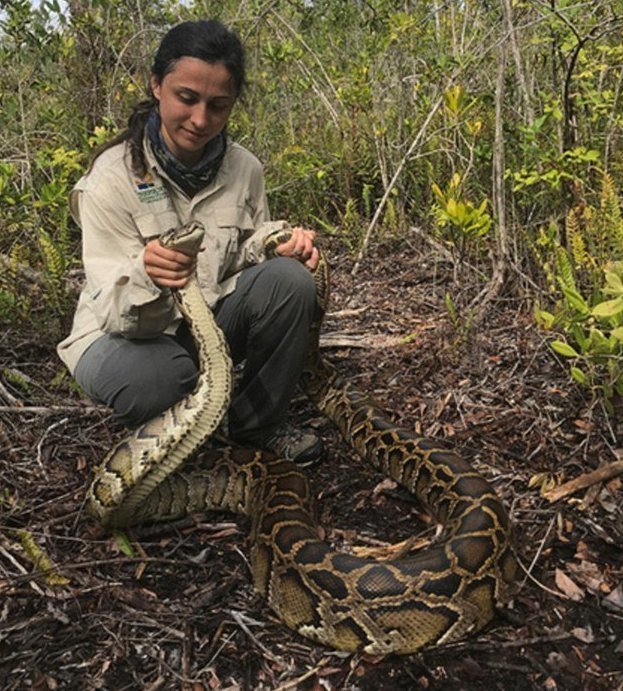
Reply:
x=179, y=610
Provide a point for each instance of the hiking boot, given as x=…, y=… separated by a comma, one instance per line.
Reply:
x=294, y=444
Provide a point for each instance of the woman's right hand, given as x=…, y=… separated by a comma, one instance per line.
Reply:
x=167, y=268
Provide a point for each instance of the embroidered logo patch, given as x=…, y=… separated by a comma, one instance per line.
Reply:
x=147, y=191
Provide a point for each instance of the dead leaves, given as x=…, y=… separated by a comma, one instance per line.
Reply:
x=614, y=601
x=567, y=586
x=586, y=575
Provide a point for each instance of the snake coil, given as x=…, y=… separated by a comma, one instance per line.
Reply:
x=398, y=605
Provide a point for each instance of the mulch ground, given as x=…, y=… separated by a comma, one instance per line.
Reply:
x=176, y=609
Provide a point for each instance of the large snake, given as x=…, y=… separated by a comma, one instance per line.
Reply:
x=348, y=602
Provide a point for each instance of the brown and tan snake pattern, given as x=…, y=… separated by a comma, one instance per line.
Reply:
x=352, y=603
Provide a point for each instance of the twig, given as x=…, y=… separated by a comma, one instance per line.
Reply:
x=52, y=427
x=7, y=396
x=538, y=553
x=392, y=183
x=118, y=561
x=25, y=575
x=407, y=158
x=239, y=618
x=187, y=657
x=52, y=409
x=355, y=312
x=602, y=474
x=310, y=74
x=293, y=683
x=519, y=643
x=437, y=246
x=500, y=260
x=343, y=339
x=551, y=591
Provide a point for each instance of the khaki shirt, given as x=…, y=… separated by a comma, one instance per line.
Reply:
x=120, y=212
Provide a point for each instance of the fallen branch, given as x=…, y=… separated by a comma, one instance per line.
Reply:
x=294, y=683
x=606, y=472
x=344, y=339
x=52, y=409
x=7, y=396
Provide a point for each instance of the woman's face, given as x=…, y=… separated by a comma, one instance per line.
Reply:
x=195, y=98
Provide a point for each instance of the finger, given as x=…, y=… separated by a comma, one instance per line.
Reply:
x=287, y=248
x=169, y=279
x=304, y=244
x=299, y=245
x=304, y=231
x=314, y=259
x=171, y=283
x=171, y=255
x=155, y=248
x=161, y=257
x=159, y=264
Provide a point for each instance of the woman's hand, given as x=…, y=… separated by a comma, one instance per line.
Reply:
x=167, y=267
x=300, y=246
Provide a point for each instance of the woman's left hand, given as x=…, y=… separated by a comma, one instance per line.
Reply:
x=300, y=246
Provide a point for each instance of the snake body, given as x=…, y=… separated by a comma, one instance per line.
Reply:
x=398, y=605
x=136, y=465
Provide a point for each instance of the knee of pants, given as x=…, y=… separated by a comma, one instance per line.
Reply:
x=292, y=279
x=137, y=402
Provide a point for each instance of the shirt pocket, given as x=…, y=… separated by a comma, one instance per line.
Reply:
x=152, y=224
x=234, y=225
x=235, y=217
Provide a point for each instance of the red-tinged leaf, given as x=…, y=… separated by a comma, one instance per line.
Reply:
x=584, y=426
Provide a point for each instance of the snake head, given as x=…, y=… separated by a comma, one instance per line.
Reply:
x=186, y=238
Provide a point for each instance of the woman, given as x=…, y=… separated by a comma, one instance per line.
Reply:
x=129, y=347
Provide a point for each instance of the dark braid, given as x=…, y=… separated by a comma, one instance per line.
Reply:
x=136, y=128
x=210, y=41
x=133, y=135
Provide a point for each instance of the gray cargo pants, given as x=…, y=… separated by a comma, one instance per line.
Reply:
x=266, y=321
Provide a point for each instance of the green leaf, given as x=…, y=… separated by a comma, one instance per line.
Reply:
x=564, y=349
x=618, y=333
x=123, y=543
x=580, y=336
x=615, y=284
x=575, y=300
x=438, y=193
x=544, y=318
x=578, y=375
x=599, y=344
x=609, y=308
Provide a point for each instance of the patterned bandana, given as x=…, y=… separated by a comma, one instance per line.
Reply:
x=193, y=179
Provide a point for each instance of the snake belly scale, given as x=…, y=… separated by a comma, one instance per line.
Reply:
x=348, y=602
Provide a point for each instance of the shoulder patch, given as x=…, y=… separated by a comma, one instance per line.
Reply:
x=147, y=190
